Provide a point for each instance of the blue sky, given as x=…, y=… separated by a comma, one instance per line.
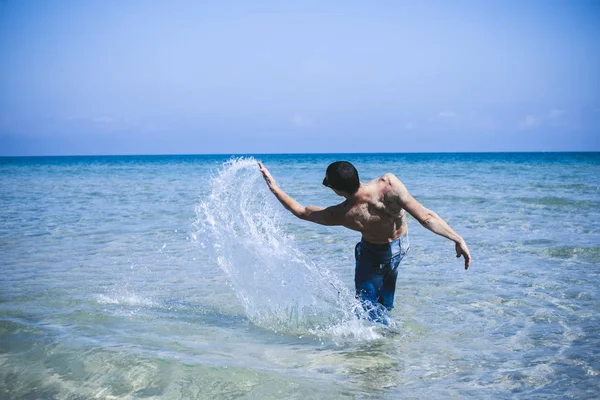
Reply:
x=144, y=77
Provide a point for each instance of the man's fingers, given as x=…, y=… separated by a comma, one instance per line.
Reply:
x=266, y=175
x=263, y=170
x=462, y=250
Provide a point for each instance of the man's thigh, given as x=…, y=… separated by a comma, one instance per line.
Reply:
x=388, y=289
x=368, y=277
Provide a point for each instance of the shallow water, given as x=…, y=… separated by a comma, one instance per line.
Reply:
x=114, y=283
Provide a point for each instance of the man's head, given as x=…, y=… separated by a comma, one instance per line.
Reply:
x=341, y=176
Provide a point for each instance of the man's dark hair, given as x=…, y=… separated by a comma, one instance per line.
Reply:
x=342, y=176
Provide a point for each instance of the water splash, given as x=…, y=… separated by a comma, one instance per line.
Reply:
x=240, y=225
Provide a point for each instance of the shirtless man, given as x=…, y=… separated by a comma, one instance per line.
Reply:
x=377, y=210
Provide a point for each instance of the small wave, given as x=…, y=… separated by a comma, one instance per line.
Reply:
x=552, y=201
x=587, y=254
x=126, y=300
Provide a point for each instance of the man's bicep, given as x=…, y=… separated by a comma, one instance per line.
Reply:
x=399, y=191
x=324, y=216
x=410, y=204
x=414, y=208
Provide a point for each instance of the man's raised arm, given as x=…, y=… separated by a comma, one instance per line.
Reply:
x=319, y=215
x=430, y=220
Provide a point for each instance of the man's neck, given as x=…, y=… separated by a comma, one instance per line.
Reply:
x=353, y=196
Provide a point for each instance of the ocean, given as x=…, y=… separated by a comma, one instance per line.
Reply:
x=178, y=277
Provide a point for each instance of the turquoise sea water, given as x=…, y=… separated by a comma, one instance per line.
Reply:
x=182, y=277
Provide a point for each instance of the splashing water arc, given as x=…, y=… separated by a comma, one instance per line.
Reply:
x=279, y=287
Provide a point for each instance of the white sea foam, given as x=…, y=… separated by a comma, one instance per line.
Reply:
x=278, y=286
x=128, y=299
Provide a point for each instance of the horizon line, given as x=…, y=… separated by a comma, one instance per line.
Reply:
x=313, y=153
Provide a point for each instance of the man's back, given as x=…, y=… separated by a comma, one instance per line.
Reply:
x=376, y=210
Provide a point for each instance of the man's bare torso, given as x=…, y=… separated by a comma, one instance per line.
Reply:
x=376, y=211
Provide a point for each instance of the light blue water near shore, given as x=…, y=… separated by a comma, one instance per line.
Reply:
x=181, y=277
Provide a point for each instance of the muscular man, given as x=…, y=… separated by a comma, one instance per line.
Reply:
x=377, y=210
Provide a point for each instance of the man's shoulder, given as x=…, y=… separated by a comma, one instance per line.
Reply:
x=393, y=186
x=390, y=179
x=341, y=208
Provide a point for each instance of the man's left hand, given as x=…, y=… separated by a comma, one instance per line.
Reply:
x=463, y=250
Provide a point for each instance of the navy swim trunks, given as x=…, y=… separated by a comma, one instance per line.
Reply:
x=376, y=272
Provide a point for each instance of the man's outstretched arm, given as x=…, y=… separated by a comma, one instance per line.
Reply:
x=319, y=215
x=431, y=220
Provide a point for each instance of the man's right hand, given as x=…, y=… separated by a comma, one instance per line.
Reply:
x=267, y=175
x=463, y=250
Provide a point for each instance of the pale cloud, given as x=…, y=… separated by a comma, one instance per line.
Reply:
x=447, y=114
x=557, y=113
x=532, y=121
x=529, y=122
x=301, y=120
x=103, y=120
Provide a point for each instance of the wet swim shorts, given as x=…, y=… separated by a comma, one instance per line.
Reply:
x=376, y=272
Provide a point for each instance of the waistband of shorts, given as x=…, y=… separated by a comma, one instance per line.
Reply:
x=393, y=246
